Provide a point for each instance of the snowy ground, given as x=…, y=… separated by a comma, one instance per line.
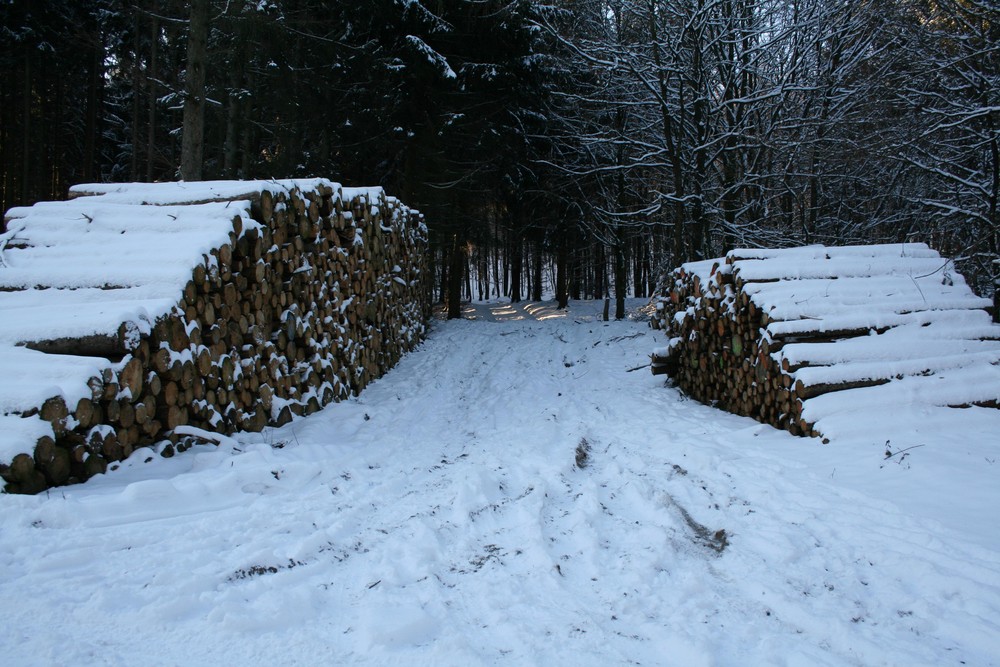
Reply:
x=443, y=519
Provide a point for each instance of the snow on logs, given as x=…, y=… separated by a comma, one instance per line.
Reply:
x=133, y=312
x=791, y=336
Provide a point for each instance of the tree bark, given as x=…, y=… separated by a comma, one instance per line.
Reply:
x=133, y=164
x=562, y=260
x=467, y=271
x=445, y=263
x=455, y=279
x=621, y=280
x=996, y=291
x=26, y=155
x=193, y=141
x=536, y=280
x=600, y=272
x=638, y=289
x=151, y=91
x=515, y=271
x=92, y=133
x=575, y=277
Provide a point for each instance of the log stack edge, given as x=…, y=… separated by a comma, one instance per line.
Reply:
x=305, y=308
x=718, y=353
x=791, y=336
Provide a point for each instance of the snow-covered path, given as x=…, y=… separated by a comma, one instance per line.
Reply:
x=511, y=494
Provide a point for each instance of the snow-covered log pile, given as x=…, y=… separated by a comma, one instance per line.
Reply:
x=791, y=336
x=142, y=312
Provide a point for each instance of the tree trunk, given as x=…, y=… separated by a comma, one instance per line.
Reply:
x=536, y=280
x=133, y=164
x=575, y=283
x=483, y=275
x=515, y=271
x=621, y=281
x=193, y=141
x=26, y=155
x=498, y=289
x=562, y=274
x=994, y=196
x=506, y=270
x=455, y=279
x=91, y=132
x=234, y=110
x=248, y=140
x=638, y=286
x=5, y=154
x=700, y=230
x=600, y=272
x=996, y=291
x=151, y=91
x=467, y=270
x=445, y=263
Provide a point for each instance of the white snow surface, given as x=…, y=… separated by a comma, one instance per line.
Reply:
x=87, y=265
x=185, y=192
x=441, y=519
x=851, y=287
x=821, y=252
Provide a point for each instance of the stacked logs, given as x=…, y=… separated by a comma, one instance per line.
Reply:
x=762, y=333
x=718, y=353
x=306, y=308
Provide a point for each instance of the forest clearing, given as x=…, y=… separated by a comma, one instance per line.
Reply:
x=510, y=493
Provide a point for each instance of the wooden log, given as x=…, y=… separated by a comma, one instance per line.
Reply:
x=176, y=416
x=109, y=346
x=55, y=412
x=171, y=392
x=130, y=379
x=22, y=476
x=84, y=413
x=126, y=413
x=806, y=391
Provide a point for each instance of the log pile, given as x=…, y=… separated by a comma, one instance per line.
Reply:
x=766, y=333
x=316, y=291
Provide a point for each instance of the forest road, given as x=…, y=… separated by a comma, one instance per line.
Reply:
x=508, y=494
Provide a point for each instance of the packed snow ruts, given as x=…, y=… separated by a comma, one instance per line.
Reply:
x=223, y=305
x=766, y=333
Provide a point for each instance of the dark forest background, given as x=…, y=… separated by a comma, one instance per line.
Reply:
x=568, y=147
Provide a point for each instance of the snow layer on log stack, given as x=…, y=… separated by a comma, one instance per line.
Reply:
x=797, y=337
x=134, y=313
